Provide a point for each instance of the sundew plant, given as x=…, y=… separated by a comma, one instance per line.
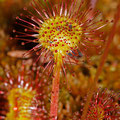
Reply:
x=20, y=95
x=65, y=33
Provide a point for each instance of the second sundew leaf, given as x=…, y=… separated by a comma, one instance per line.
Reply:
x=24, y=98
x=20, y=102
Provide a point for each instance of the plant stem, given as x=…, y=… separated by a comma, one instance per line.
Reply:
x=103, y=59
x=55, y=92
